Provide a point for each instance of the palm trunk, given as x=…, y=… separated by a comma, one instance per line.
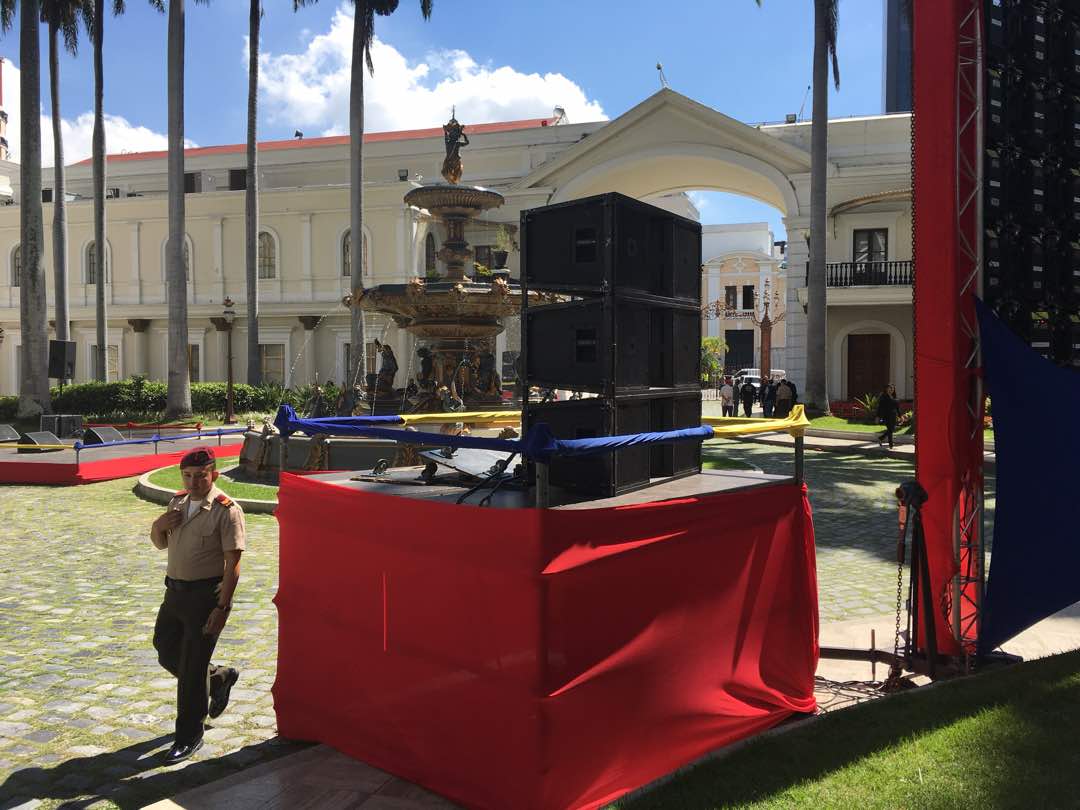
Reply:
x=33, y=313
x=59, y=225
x=251, y=199
x=178, y=395
x=102, y=355
x=816, y=397
x=358, y=360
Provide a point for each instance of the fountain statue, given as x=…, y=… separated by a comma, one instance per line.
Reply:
x=455, y=318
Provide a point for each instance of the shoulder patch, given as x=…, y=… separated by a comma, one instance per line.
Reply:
x=224, y=500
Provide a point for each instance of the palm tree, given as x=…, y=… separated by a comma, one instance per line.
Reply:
x=101, y=359
x=178, y=394
x=62, y=18
x=33, y=314
x=364, y=12
x=826, y=22
x=251, y=198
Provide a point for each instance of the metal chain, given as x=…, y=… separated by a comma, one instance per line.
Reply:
x=895, y=670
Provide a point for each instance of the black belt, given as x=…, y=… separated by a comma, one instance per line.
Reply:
x=191, y=584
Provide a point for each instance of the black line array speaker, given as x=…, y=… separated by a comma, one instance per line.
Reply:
x=612, y=242
x=608, y=474
x=1031, y=172
x=616, y=343
x=62, y=359
x=39, y=437
x=100, y=435
x=622, y=321
x=64, y=425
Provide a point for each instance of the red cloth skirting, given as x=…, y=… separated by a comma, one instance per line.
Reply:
x=89, y=472
x=541, y=659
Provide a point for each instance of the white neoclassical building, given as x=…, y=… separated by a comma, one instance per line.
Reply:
x=666, y=145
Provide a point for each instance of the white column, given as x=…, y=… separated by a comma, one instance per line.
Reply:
x=136, y=265
x=218, y=259
x=307, y=287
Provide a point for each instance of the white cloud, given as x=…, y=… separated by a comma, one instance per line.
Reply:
x=311, y=89
x=121, y=135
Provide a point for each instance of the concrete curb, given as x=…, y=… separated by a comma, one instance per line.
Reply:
x=155, y=494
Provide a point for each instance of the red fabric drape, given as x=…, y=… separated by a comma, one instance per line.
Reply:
x=89, y=472
x=541, y=659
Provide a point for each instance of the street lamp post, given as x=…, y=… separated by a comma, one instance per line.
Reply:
x=225, y=324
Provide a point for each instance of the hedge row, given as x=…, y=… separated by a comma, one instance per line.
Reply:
x=138, y=397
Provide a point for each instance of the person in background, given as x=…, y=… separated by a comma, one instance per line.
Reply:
x=768, y=397
x=888, y=409
x=747, y=395
x=785, y=397
x=727, y=398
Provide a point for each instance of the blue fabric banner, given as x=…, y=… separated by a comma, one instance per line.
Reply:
x=538, y=443
x=1035, y=565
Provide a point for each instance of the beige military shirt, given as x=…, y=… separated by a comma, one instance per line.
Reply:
x=197, y=546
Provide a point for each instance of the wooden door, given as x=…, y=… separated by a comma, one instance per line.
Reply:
x=869, y=368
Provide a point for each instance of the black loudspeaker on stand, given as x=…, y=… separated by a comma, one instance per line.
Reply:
x=62, y=360
x=622, y=323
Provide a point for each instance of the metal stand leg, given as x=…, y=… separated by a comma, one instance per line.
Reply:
x=543, y=492
x=799, y=471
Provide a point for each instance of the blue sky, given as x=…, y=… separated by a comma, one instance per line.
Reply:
x=495, y=59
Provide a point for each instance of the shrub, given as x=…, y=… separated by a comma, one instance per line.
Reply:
x=9, y=406
x=869, y=403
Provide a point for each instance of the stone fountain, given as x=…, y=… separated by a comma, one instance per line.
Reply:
x=454, y=318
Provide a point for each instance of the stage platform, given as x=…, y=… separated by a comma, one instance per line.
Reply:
x=404, y=482
x=102, y=462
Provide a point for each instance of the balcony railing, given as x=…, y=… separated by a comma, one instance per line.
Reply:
x=865, y=274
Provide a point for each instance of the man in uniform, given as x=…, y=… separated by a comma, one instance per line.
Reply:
x=203, y=531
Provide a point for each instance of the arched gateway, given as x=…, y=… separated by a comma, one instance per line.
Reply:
x=670, y=144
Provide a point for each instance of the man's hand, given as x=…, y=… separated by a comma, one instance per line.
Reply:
x=168, y=521
x=216, y=623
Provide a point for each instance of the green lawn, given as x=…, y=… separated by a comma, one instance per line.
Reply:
x=1002, y=739
x=170, y=479
x=714, y=461
x=837, y=423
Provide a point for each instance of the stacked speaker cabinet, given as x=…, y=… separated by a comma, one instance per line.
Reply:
x=619, y=329
x=1031, y=172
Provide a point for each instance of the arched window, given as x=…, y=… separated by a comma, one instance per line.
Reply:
x=91, y=264
x=346, y=254
x=16, y=266
x=267, y=256
x=429, y=254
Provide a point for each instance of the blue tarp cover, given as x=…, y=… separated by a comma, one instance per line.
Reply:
x=1035, y=565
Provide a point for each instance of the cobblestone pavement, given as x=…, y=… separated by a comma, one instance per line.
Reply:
x=854, y=522
x=85, y=709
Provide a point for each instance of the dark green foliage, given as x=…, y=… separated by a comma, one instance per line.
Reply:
x=139, y=399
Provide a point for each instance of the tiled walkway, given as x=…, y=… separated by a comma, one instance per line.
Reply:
x=85, y=709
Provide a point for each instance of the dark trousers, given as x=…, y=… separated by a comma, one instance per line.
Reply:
x=727, y=410
x=184, y=650
x=767, y=408
x=783, y=408
x=747, y=407
x=890, y=428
